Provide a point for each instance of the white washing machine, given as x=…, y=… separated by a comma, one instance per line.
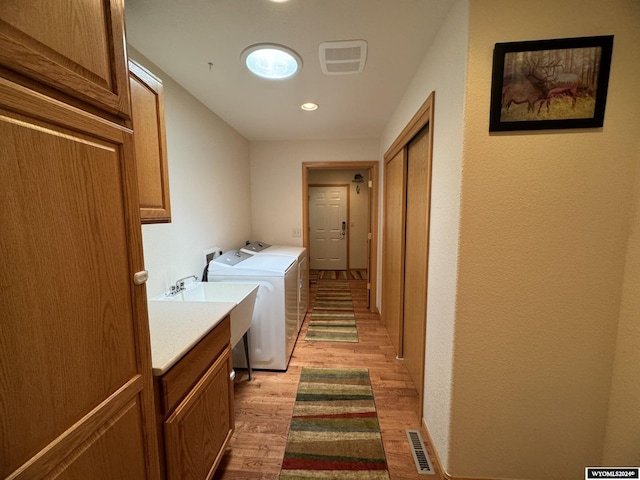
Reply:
x=300, y=253
x=274, y=326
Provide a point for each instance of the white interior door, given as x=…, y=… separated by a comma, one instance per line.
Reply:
x=328, y=227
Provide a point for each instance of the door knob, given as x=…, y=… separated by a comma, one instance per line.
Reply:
x=140, y=278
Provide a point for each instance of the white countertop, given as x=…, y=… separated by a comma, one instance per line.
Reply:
x=176, y=327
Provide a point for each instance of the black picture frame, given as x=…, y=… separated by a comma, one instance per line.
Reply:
x=550, y=84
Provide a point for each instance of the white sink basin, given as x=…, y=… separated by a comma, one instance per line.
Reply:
x=242, y=294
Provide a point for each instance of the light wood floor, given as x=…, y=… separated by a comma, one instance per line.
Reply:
x=264, y=405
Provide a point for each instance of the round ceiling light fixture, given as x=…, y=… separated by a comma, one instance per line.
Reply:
x=309, y=106
x=271, y=61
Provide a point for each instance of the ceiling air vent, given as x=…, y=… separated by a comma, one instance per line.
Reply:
x=343, y=58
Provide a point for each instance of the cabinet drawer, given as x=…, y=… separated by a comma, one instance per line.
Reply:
x=199, y=429
x=177, y=382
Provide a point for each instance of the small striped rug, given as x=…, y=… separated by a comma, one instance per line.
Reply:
x=334, y=432
x=354, y=274
x=332, y=318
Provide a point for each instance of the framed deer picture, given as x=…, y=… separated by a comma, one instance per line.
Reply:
x=545, y=84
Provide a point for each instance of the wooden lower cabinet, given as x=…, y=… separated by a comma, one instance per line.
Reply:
x=196, y=429
x=201, y=426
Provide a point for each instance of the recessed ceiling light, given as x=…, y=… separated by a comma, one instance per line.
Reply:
x=309, y=106
x=272, y=61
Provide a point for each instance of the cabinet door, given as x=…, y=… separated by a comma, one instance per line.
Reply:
x=201, y=426
x=75, y=380
x=75, y=46
x=147, y=104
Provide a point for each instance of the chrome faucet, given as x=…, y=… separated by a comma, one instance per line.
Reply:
x=179, y=285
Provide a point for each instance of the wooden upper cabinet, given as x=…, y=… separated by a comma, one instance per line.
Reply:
x=147, y=104
x=73, y=46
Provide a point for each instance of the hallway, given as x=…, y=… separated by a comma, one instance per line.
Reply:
x=263, y=407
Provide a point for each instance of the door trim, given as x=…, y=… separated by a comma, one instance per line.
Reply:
x=422, y=117
x=373, y=213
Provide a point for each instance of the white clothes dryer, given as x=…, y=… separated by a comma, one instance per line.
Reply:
x=300, y=253
x=274, y=327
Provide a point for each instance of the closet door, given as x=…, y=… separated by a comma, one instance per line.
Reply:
x=407, y=204
x=417, y=256
x=393, y=247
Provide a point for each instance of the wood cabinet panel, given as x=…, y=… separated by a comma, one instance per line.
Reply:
x=75, y=46
x=200, y=427
x=147, y=103
x=87, y=451
x=123, y=435
x=74, y=337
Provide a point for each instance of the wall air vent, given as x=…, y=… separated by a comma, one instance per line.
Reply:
x=343, y=58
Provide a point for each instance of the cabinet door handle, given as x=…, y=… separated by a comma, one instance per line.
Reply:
x=232, y=375
x=140, y=278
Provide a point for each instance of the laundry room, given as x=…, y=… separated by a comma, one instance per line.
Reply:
x=497, y=313
x=224, y=189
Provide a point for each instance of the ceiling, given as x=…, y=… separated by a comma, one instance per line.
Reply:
x=183, y=37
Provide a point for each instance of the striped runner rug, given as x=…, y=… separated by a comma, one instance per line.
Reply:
x=358, y=274
x=334, y=432
x=332, y=318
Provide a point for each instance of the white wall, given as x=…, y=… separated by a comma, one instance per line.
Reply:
x=276, y=181
x=443, y=71
x=543, y=242
x=358, y=209
x=209, y=186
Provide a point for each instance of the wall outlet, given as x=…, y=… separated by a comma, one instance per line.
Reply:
x=296, y=232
